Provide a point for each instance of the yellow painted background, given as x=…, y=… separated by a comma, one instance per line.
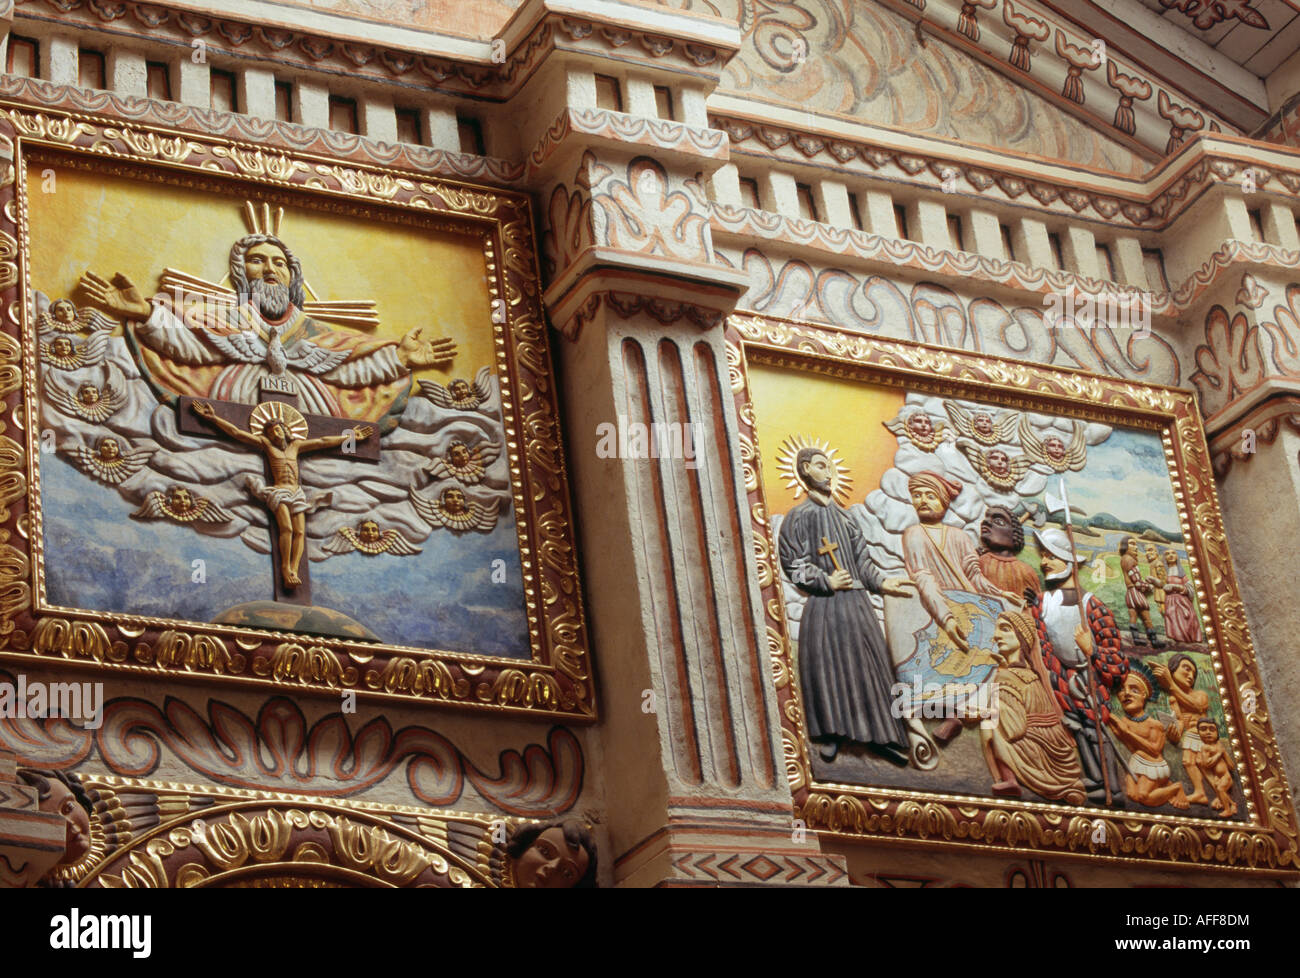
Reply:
x=844, y=413
x=115, y=224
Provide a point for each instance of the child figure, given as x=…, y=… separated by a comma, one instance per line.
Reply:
x=1212, y=759
x=1178, y=679
x=1148, y=780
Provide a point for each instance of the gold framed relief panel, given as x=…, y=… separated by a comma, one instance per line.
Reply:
x=1000, y=606
x=276, y=420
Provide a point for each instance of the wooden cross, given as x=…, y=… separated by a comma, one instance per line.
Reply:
x=284, y=390
x=827, y=549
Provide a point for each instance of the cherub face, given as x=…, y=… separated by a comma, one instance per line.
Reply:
x=1054, y=447
x=368, y=531
x=458, y=454
x=459, y=389
x=62, y=347
x=551, y=863
x=453, y=501
x=983, y=423
x=921, y=425
x=63, y=311
x=179, y=498
x=1133, y=694
x=999, y=463
x=1209, y=731
x=109, y=449
x=63, y=802
x=88, y=394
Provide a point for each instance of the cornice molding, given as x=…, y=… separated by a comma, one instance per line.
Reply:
x=678, y=45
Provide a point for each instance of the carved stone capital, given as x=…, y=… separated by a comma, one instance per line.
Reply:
x=626, y=283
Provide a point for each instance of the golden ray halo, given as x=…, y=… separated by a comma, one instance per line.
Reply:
x=263, y=223
x=278, y=411
x=841, y=481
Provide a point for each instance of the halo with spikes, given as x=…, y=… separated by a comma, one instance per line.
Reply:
x=287, y=414
x=841, y=481
x=261, y=223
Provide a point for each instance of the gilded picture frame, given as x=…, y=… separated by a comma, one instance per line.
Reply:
x=552, y=679
x=768, y=355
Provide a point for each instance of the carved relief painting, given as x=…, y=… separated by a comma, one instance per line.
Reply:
x=293, y=413
x=985, y=593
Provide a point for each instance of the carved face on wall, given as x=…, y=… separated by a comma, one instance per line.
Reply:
x=551, y=862
x=88, y=394
x=1054, y=446
x=999, y=530
x=268, y=263
x=1152, y=556
x=921, y=426
x=817, y=472
x=63, y=311
x=1185, y=673
x=458, y=454
x=998, y=462
x=459, y=389
x=1209, y=731
x=109, y=449
x=983, y=423
x=277, y=433
x=61, y=801
x=1134, y=693
x=1008, y=642
x=929, y=507
x=62, y=347
x=368, y=531
x=453, y=501
x=180, y=499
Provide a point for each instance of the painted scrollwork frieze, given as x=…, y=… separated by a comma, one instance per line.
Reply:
x=278, y=749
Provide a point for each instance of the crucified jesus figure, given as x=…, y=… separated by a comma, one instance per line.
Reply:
x=284, y=496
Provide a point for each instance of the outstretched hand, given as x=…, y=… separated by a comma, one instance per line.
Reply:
x=121, y=296
x=203, y=409
x=415, y=352
x=898, y=587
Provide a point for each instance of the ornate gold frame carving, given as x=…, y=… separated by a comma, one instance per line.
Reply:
x=556, y=682
x=1267, y=840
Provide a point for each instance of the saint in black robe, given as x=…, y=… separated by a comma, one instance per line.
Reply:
x=844, y=664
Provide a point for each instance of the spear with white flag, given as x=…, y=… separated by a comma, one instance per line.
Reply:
x=1061, y=504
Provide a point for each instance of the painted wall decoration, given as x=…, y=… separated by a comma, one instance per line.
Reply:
x=864, y=60
x=324, y=414
x=991, y=594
